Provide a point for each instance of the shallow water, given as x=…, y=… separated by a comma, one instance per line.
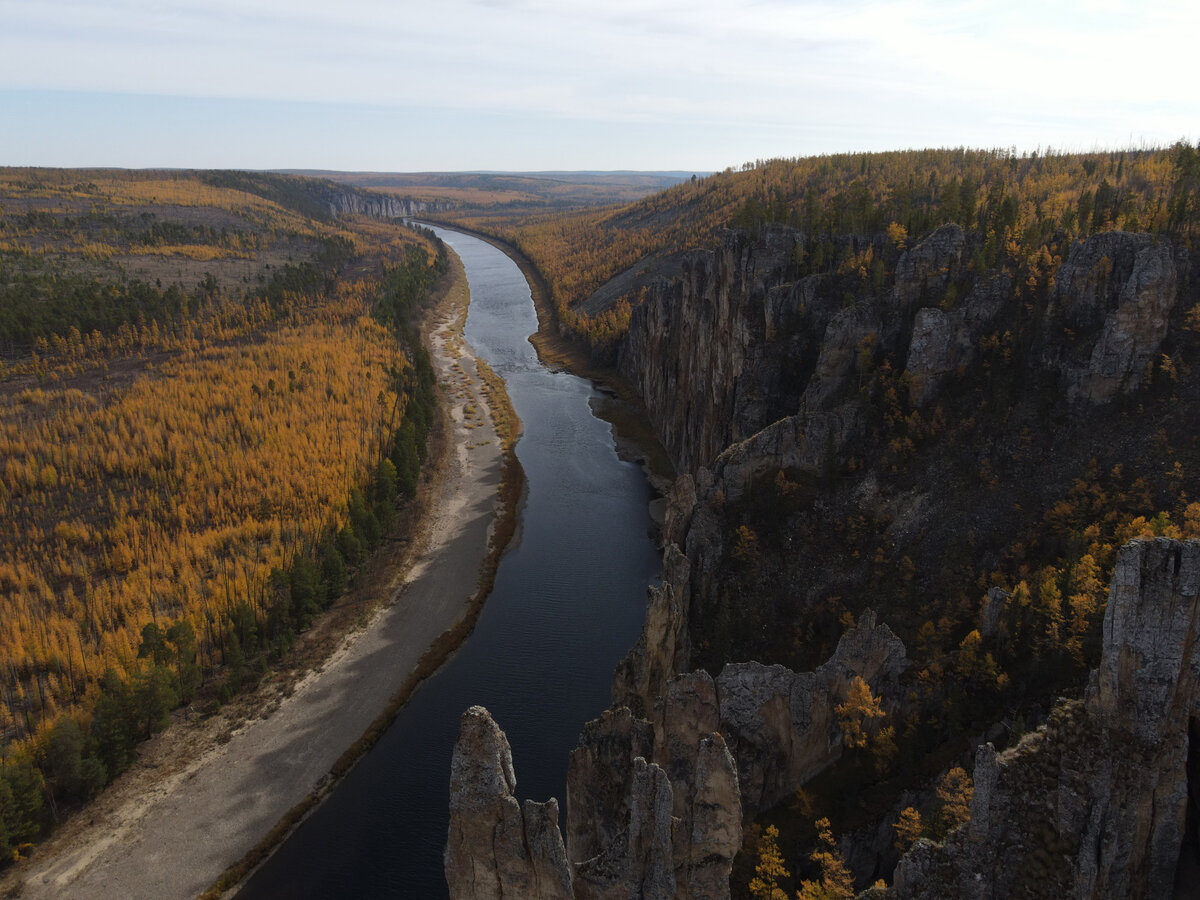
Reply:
x=567, y=604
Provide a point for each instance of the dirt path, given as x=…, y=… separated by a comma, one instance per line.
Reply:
x=196, y=803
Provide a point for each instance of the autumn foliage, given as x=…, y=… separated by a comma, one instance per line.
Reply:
x=189, y=478
x=1016, y=204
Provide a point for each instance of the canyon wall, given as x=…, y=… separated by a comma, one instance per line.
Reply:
x=1104, y=800
x=763, y=382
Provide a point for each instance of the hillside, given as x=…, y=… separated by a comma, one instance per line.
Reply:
x=211, y=405
x=919, y=402
x=503, y=193
x=1017, y=205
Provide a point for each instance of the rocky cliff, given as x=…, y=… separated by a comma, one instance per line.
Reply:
x=496, y=847
x=352, y=201
x=1109, y=312
x=909, y=442
x=753, y=371
x=722, y=350
x=738, y=342
x=1103, y=801
x=655, y=808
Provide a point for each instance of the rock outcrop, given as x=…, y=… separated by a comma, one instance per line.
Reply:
x=780, y=724
x=497, y=848
x=1109, y=312
x=723, y=349
x=728, y=748
x=600, y=780
x=759, y=377
x=944, y=343
x=740, y=341
x=662, y=648
x=925, y=272
x=1102, y=801
x=352, y=201
x=655, y=808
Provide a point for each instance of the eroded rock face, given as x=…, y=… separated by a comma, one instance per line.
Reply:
x=728, y=749
x=656, y=808
x=810, y=443
x=600, y=780
x=710, y=825
x=725, y=348
x=640, y=863
x=643, y=829
x=927, y=270
x=1095, y=804
x=353, y=201
x=945, y=342
x=841, y=345
x=1109, y=312
x=662, y=647
x=495, y=848
x=686, y=713
x=780, y=724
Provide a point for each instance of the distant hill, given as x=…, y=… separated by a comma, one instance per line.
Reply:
x=553, y=189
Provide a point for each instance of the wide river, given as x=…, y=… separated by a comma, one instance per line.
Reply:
x=567, y=603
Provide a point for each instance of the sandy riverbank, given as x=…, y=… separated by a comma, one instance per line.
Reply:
x=205, y=793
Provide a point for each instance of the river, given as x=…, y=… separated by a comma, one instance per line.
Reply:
x=568, y=602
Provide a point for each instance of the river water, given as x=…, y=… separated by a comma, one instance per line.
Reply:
x=567, y=604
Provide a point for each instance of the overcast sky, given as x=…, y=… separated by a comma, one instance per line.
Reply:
x=395, y=85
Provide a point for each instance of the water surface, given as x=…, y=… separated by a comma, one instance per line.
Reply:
x=567, y=604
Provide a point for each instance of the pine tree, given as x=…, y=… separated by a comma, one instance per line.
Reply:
x=954, y=792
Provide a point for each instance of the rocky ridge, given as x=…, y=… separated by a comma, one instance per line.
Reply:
x=497, y=847
x=750, y=368
x=1104, y=800
x=655, y=808
x=745, y=367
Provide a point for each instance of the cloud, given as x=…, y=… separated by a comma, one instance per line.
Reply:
x=917, y=72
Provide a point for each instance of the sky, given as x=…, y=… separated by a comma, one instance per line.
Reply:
x=535, y=85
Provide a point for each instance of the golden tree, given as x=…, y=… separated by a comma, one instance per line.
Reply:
x=769, y=869
x=837, y=882
x=855, y=715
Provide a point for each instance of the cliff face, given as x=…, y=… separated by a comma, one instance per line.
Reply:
x=705, y=348
x=738, y=342
x=655, y=807
x=1099, y=802
x=1109, y=313
x=349, y=201
x=497, y=848
x=1102, y=801
x=797, y=411
x=720, y=351
x=852, y=387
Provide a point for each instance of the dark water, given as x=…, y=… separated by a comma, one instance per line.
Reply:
x=567, y=604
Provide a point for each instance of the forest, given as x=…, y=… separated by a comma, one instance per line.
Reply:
x=1025, y=208
x=214, y=402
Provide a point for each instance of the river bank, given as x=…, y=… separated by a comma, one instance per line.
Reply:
x=621, y=407
x=568, y=601
x=205, y=791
